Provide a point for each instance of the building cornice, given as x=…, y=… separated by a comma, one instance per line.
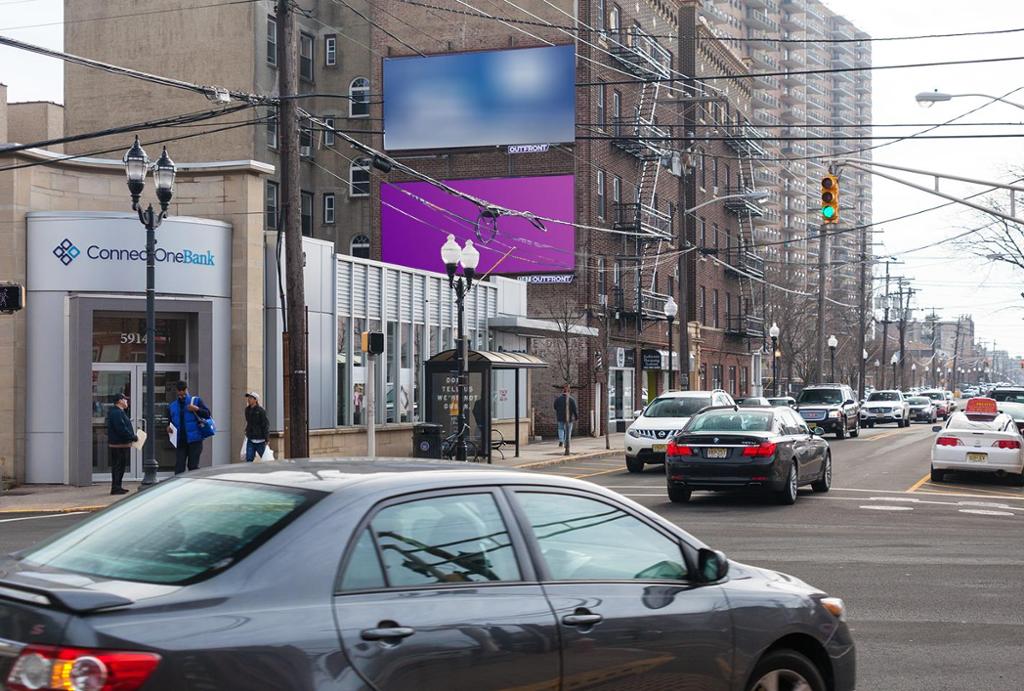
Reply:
x=110, y=164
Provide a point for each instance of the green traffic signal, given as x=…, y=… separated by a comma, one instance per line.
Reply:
x=828, y=211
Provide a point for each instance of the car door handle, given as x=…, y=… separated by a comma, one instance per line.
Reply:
x=387, y=633
x=582, y=619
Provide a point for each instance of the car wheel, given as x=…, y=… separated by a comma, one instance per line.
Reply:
x=841, y=431
x=938, y=475
x=870, y=425
x=824, y=483
x=855, y=432
x=787, y=495
x=785, y=670
x=1017, y=479
x=634, y=465
x=678, y=495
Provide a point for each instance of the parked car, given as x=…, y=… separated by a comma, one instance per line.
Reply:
x=941, y=403
x=922, y=409
x=754, y=402
x=885, y=406
x=833, y=407
x=397, y=575
x=952, y=401
x=1010, y=400
x=979, y=440
x=783, y=401
x=648, y=436
x=726, y=448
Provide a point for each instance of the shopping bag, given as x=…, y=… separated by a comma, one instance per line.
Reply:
x=241, y=452
x=268, y=454
x=207, y=427
x=141, y=440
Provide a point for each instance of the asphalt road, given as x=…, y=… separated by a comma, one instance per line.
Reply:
x=933, y=576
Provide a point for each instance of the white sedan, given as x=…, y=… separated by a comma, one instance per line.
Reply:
x=978, y=443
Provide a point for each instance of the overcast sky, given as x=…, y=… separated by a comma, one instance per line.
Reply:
x=949, y=280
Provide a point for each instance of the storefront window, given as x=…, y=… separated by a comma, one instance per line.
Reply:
x=117, y=338
x=344, y=385
x=418, y=357
x=393, y=404
x=358, y=375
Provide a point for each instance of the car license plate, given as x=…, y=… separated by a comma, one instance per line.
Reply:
x=717, y=453
x=659, y=448
x=977, y=457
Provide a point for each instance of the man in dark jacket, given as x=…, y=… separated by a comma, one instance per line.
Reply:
x=187, y=414
x=257, y=427
x=566, y=414
x=120, y=435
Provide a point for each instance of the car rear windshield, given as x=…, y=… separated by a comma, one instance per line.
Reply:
x=936, y=395
x=884, y=396
x=919, y=400
x=732, y=421
x=977, y=423
x=1008, y=396
x=177, y=532
x=676, y=407
x=821, y=396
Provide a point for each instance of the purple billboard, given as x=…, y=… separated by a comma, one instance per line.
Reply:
x=416, y=219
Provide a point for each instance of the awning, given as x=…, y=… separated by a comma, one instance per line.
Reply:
x=496, y=359
x=525, y=326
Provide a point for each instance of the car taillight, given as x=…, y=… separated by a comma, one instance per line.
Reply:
x=674, y=449
x=49, y=668
x=948, y=441
x=762, y=450
x=1007, y=444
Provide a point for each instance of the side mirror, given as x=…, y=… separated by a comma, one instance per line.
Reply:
x=937, y=428
x=849, y=401
x=637, y=413
x=712, y=565
x=818, y=431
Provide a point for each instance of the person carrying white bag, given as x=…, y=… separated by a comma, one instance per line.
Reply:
x=257, y=430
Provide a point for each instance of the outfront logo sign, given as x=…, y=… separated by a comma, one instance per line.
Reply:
x=66, y=252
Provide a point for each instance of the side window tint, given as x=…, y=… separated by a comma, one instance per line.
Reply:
x=455, y=539
x=363, y=570
x=584, y=539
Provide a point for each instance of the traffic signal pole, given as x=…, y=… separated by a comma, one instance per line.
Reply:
x=829, y=216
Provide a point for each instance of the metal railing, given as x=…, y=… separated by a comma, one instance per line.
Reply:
x=642, y=139
x=641, y=54
x=746, y=325
x=641, y=218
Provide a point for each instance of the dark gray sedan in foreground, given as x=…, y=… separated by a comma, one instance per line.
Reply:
x=399, y=575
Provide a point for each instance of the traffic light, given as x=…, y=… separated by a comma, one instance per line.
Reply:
x=373, y=342
x=830, y=199
x=12, y=298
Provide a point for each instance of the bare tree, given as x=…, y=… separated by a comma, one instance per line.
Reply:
x=570, y=346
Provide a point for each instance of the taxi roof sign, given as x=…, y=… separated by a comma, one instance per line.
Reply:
x=982, y=406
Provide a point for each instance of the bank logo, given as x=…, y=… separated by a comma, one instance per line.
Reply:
x=66, y=252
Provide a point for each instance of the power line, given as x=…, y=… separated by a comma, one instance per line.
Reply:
x=779, y=138
x=127, y=15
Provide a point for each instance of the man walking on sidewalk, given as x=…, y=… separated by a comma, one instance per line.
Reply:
x=257, y=427
x=120, y=435
x=566, y=414
x=185, y=413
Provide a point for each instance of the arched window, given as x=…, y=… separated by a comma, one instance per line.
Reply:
x=359, y=98
x=360, y=247
x=359, y=178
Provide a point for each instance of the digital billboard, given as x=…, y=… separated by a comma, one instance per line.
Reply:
x=489, y=98
x=416, y=218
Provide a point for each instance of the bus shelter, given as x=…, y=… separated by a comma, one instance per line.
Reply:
x=442, y=378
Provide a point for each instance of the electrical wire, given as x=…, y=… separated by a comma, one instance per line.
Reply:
x=123, y=16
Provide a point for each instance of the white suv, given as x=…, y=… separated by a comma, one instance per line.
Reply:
x=662, y=420
x=885, y=406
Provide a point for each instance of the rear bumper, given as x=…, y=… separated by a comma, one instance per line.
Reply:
x=708, y=474
x=1006, y=460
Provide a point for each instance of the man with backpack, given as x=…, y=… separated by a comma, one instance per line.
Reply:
x=190, y=422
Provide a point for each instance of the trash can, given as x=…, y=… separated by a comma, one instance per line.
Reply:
x=426, y=440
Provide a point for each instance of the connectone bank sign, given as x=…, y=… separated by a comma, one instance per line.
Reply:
x=66, y=252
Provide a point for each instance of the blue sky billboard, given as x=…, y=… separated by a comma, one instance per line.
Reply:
x=488, y=98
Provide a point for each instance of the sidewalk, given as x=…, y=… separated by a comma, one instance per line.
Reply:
x=66, y=499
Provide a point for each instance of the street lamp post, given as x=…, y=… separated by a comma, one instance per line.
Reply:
x=913, y=375
x=863, y=374
x=774, y=333
x=894, y=360
x=136, y=166
x=930, y=98
x=878, y=372
x=671, y=309
x=833, y=342
x=452, y=255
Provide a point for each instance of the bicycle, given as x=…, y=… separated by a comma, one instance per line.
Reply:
x=450, y=444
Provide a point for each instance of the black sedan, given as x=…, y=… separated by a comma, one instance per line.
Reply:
x=397, y=575
x=726, y=448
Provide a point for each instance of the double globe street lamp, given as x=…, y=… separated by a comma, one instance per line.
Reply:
x=773, y=332
x=136, y=166
x=671, y=310
x=469, y=257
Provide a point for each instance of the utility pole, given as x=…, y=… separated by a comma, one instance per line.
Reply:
x=294, y=338
x=885, y=325
x=956, y=354
x=862, y=304
x=819, y=360
x=902, y=384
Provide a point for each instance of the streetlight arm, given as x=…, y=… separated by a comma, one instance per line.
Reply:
x=935, y=97
x=737, y=195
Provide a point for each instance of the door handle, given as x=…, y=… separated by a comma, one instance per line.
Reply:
x=389, y=633
x=582, y=619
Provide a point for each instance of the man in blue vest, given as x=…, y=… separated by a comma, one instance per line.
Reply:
x=186, y=414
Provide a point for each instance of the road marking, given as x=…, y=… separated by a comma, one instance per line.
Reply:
x=602, y=472
x=914, y=487
x=884, y=435
x=986, y=492
x=987, y=512
x=926, y=490
x=49, y=515
x=907, y=499
x=879, y=507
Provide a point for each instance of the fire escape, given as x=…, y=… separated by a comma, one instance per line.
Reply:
x=641, y=137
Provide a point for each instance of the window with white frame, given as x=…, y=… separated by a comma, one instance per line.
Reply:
x=272, y=131
x=359, y=178
x=328, y=207
x=271, y=41
x=306, y=57
x=331, y=50
x=270, y=204
x=359, y=98
x=329, y=132
x=360, y=247
x=602, y=207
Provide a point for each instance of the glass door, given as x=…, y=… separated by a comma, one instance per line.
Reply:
x=167, y=376
x=107, y=382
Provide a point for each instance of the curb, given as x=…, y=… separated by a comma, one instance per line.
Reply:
x=564, y=460
x=62, y=509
